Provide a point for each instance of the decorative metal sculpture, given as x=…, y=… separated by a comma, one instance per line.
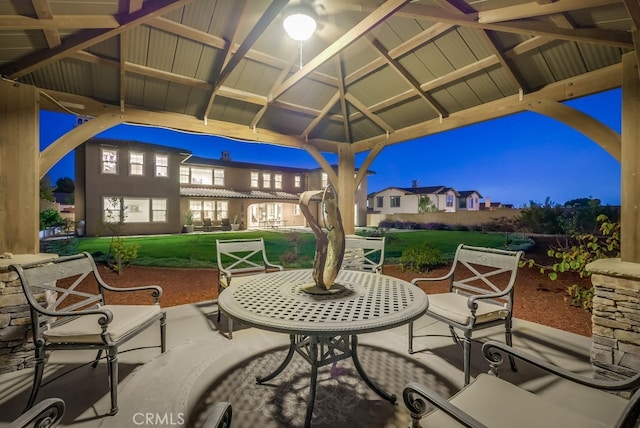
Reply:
x=329, y=240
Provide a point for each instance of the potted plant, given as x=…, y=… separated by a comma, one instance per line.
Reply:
x=188, y=221
x=235, y=225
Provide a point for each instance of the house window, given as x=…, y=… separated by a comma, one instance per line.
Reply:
x=297, y=181
x=111, y=212
x=162, y=165
x=134, y=210
x=136, y=163
x=325, y=179
x=209, y=210
x=109, y=161
x=394, y=201
x=184, y=175
x=266, y=180
x=379, y=201
x=218, y=177
x=277, y=181
x=255, y=180
x=215, y=210
x=296, y=209
x=449, y=200
x=222, y=210
x=195, y=206
x=201, y=176
x=158, y=210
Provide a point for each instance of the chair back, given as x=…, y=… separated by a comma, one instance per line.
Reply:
x=483, y=271
x=69, y=283
x=242, y=256
x=363, y=253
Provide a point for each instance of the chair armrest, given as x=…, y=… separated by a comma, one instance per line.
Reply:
x=219, y=416
x=440, y=278
x=47, y=413
x=414, y=395
x=472, y=299
x=107, y=315
x=492, y=353
x=156, y=290
x=274, y=266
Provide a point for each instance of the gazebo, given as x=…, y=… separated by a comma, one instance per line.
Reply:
x=373, y=73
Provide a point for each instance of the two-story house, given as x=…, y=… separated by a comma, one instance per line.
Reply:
x=150, y=188
x=417, y=199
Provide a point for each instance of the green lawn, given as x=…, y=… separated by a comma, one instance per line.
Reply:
x=198, y=249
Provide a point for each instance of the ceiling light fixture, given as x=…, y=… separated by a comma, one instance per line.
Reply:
x=300, y=23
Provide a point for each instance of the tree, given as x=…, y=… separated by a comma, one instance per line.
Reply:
x=65, y=185
x=46, y=189
x=426, y=205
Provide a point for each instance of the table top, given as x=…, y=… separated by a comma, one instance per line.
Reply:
x=368, y=302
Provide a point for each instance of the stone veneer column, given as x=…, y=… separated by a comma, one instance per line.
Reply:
x=615, y=351
x=16, y=348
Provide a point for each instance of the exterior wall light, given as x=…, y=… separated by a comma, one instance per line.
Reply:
x=300, y=23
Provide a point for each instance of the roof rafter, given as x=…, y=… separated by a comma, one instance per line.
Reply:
x=343, y=101
x=89, y=38
x=395, y=65
x=237, y=6
x=43, y=11
x=615, y=38
x=529, y=10
x=372, y=20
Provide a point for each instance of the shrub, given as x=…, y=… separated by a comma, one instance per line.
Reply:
x=421, y=259
x=50, y=218
x=582, y=249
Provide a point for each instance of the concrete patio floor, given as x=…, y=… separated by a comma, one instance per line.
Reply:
x=202, y=366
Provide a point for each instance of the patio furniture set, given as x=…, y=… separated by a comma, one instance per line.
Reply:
x=323, y=329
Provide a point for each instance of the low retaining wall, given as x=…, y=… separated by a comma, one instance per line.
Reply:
x=615, y=352
x=465, y=218
x=16, y=347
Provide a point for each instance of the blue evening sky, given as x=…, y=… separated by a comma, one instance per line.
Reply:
x=514, y=160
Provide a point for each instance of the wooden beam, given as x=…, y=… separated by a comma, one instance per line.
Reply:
x=325, y=110
x=630, y=165
x=533, y=9
x=89, y=38
x=72, y=139
x=585, y=84
x=621, y=39
x=57, y=22
x=367, y=24
x=43, y=11
x=346, y=124
x=122, y=68
x=238, y=7
x=597, y=131
x=408, y=77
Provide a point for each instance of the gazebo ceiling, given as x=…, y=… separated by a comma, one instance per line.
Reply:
x=375, y=72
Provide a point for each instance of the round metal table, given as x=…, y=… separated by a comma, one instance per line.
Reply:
x=323, y=329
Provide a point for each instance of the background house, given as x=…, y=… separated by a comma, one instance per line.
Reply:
x=416, y=199
x=154, y=186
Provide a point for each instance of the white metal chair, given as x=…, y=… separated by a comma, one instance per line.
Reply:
x=66, y=298
x=490, y=401
x=240, y=258
x=363, y=253
x=480, y=295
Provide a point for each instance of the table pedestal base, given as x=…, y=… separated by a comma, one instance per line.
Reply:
x=320, y=351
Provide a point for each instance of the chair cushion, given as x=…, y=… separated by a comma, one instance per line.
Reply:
x=497, y=404
x=454, y=307
x=85, y=329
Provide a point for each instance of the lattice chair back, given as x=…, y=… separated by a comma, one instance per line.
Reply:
x=364, y=253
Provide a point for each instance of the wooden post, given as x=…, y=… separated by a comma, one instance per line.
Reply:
x=630, y=164
x=347, y=189
x=19, y=172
